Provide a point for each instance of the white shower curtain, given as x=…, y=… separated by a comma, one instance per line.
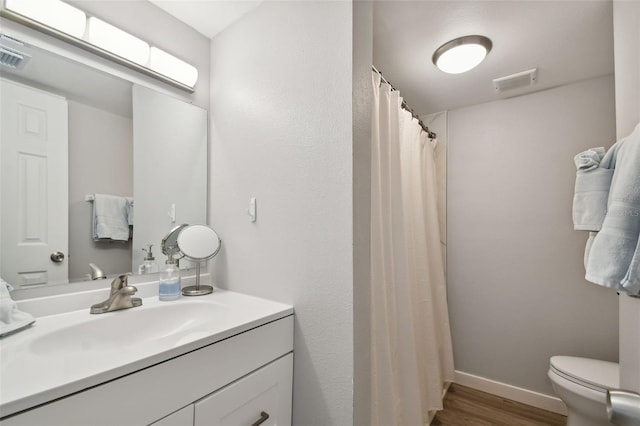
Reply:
x=411, y=351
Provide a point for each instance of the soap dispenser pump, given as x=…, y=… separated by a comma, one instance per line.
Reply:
x=149, y=265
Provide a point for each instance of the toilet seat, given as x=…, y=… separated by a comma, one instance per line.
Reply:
x=591, y=373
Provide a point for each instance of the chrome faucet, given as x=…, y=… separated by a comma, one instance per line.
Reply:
x=96, y=272
x=120, y=297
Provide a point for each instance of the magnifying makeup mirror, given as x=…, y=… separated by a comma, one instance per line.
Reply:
x=197, y=243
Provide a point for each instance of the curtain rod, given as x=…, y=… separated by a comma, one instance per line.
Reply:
x=406, y=107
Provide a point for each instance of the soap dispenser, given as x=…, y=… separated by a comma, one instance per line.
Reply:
x=149, y=265
x=170, y=286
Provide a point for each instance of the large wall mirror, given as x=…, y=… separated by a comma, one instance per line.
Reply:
x=70, y=131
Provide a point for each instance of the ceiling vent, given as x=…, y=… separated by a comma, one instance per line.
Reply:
x=515, y=81
x=10, y=56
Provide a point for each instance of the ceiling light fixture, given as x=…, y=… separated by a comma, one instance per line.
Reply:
x=461, y=54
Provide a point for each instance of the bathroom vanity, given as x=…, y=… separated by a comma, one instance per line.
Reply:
x=224, y=358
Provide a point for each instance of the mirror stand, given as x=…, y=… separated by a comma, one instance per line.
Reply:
x=197, y=290
x=198, y=243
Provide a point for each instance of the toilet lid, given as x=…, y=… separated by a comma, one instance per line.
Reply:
x=593, y=372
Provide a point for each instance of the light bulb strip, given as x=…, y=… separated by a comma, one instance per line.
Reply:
x=85, y=45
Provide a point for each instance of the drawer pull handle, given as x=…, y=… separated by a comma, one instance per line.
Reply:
x=263, y=418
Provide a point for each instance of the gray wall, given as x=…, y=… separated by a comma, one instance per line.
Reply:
x=516, y=289
x=362, y=99
x=100, y=143
x=281, y=131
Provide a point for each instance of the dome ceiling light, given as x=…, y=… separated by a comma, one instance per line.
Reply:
x=461, y=54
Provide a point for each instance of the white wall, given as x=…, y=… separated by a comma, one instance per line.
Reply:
x=281, y=131
x=100, y=160
x=516, y=289
x=626, y=37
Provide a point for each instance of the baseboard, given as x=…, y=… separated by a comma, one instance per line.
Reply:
x=525, y=396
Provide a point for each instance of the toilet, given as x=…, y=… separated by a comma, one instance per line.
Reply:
x=582, y=383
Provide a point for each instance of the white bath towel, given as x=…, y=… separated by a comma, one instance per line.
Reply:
x=110, y=218
x=614, y=257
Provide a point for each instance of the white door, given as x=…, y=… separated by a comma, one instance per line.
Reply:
x=34, y=186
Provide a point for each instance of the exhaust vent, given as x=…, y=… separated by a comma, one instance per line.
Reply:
x=11, y=57
x=515, y=81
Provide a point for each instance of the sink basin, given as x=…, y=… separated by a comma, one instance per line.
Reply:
x=169, y=324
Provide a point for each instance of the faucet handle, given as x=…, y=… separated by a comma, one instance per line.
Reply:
x=119, y=282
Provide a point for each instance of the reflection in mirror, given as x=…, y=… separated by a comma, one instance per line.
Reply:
x=78, y=123
x=170, y=242
x=46, y=191
x=170, y=167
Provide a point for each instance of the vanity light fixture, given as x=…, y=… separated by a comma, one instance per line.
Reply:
x=114, y=40
x=169, y=65
x=53, y=13
x=461, y=54
x=70, y=24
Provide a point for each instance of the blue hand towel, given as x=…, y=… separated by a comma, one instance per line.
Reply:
x=614, y=258
x=130, y=211
x=589, y=159
x=593, y=180
x=110, y=218
x=631, y=281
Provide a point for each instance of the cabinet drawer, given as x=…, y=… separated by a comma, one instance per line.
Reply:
x=183, y=417
x=265, y=392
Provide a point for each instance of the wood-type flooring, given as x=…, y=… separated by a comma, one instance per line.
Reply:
x=464, y=406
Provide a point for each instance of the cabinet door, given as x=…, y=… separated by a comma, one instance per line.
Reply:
x=183, y=417
x=261, y=398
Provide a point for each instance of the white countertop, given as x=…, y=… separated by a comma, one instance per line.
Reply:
x=35, y=369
